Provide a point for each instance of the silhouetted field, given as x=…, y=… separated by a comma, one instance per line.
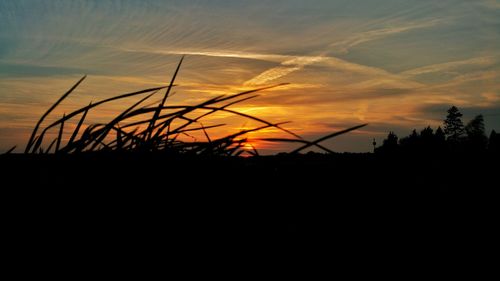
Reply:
x=352, y=196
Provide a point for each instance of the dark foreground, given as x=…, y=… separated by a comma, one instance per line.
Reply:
x=352, y=201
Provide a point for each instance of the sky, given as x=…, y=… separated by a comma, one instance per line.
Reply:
x=394, y=64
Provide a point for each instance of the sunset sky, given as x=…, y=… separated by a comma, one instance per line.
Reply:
x=395, y=64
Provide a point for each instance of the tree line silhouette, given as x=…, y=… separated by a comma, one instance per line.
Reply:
x=454, y=137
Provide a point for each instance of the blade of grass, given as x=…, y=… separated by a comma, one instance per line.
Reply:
x=143, y=111
x=77, y=129
x=85, y=139
x=59, y=137
x=224, y=98
x=185, y=110
x=88, y=107
x=327, y=137
x=198, y=129
x=205, y=132
x=249, y=92
x=296, y=141
x=217, y=100
x=50, y=146
x=119, y=138
x=157, y=112
x=125, y=137
x=111, y=124
x=256, y=152
x=213, y=111
x=33, y=134
x=11, y=149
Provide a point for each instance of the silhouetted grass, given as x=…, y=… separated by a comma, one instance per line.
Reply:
x=164, y=124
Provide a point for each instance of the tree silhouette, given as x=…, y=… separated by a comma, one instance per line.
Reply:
x=439, y=139
x=427, y=133
x=439, y=135
x=427, y=139
x=453, y=126
x=455, y=138
x=476, y=136
x=494, y=142
x=414, y=135
x=392, y=140
x=410, y=142
x=389, y=145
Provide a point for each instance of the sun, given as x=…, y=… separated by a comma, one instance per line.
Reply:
x=250, y=147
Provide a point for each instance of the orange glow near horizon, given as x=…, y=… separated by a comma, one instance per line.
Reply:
x=397, y=66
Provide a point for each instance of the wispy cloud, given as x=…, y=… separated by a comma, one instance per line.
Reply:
x=286, y=67
x=215, y=53
x=376, y=34
x=441, y=67
x=468, y=78
x=495, y=4
x=373, y=77
x=290, y=64
x=299, y=63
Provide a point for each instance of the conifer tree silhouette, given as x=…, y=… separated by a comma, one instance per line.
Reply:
x=439, y=135
x=476, y=136
x=494, y=142
x=453, y=126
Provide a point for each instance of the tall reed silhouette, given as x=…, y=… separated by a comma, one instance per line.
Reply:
x=156, y=128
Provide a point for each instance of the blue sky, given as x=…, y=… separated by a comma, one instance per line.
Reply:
x=386, y=62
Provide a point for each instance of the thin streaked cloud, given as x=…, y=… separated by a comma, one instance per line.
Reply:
x=285, y=68
x=495, y=4
x=450, y=66
x=378, y=34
